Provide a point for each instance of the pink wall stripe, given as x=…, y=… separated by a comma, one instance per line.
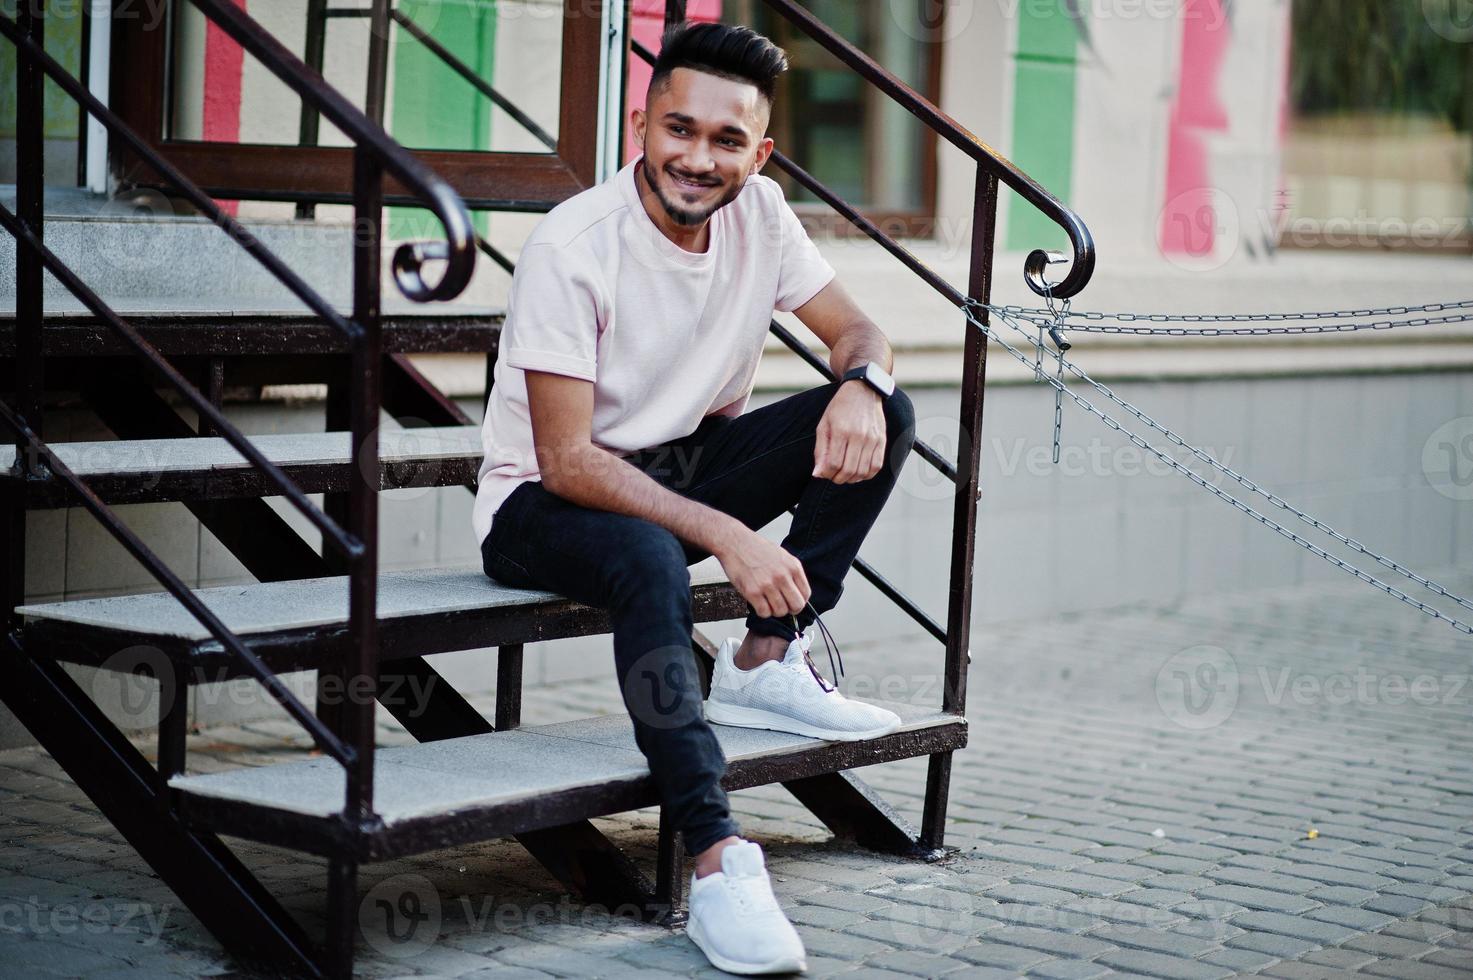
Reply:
x=1189, y=220
x=224, y=60
x=647, y=23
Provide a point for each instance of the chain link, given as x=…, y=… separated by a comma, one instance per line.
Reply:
x=1062, y=389
x=1467, y=304
x=1043, y=316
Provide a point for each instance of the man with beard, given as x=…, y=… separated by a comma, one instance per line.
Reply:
x=618, y=454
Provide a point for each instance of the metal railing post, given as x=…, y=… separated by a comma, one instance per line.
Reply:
x=30, y=190
x=30, y=183
x=964, y=508
x=365, y=378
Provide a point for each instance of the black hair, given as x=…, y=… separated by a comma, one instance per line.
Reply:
x=738, y=53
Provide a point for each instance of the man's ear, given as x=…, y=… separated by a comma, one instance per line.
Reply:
x=637, y=120
x=764, y=150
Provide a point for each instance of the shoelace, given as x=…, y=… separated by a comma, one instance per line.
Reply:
x=751, y=894
x=829, y=645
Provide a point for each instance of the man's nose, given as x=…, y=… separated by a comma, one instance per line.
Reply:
x=700, y=159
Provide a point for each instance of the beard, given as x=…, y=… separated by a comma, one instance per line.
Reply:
x=679, y=213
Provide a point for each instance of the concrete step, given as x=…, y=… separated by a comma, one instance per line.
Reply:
x=146, y=470
x=144, y=252
x=301, y=624
x=436, y=794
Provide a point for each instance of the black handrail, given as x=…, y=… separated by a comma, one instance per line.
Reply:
x=959, y=136
x=130, y=541
x=374, y=153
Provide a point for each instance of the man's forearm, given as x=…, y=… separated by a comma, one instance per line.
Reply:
x=859, y=344
x=596, y=478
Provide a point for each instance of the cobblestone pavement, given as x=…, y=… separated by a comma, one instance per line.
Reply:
x=1275, y=784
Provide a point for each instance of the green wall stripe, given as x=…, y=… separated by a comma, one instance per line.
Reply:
x=59, y=112
x=1044, y=87
x=433, y=107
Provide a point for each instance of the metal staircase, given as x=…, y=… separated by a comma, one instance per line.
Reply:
x=471, y=778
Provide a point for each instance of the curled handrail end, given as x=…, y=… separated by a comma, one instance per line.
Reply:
x=1081, y=270
x=409, y=258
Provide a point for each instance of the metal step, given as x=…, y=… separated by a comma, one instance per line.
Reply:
x=127, y=471
x=438, y=794
x=302, y=624
x=257, y=332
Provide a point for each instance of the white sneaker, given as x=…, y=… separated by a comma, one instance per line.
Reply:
x=788, y=695
x=736, y=921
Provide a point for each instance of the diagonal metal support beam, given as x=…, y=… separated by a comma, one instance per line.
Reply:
x=211, y=882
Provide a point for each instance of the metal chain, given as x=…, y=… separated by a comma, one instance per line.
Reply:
x=1043, y=316
x=1062, y=389
x=1466, y=304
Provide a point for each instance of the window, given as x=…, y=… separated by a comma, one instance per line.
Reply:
x=830, y=121
x=1379, y=152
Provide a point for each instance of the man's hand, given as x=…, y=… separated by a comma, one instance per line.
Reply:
x=767, y=575
x=851, y=435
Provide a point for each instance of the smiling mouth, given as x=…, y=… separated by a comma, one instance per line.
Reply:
x=691, y=184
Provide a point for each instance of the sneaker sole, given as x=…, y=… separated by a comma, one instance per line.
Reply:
x=741, y=717
x=786, y=964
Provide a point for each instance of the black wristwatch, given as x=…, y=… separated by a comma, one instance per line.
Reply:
x=874, y=376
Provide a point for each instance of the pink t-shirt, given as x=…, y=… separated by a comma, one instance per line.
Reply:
x=666, y=336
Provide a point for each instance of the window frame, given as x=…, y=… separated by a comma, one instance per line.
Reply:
x=489, y=180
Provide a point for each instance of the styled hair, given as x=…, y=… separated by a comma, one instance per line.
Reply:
x=737, y=53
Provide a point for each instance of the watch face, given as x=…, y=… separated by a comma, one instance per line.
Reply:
x=876, y=376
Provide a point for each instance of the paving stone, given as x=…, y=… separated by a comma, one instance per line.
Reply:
x=1070, y=970
x=1340, y=895
x=1046, y=941
x=1284, y=947
x=1460, y=958
x=1258, y=899
x=1403, y=970
x=1339, y=957
x=1081, y=883
x=1295, y=971
x=1362, y=919
x=984, y=973
x=1000, y=955
x=1159, y=898
x=1173, y=943
x=1241, y=960
x=913, y=962
x=1161, y=965
x=1400, y=906
x=1390, y=947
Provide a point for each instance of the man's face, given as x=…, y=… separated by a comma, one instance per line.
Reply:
x=703, y=135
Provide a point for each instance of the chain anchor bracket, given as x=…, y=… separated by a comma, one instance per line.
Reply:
x=1034, y=268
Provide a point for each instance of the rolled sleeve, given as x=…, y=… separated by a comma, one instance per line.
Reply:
x=804, y=269
x=553, y=314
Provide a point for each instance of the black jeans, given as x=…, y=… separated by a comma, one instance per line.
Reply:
x=753, y=467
